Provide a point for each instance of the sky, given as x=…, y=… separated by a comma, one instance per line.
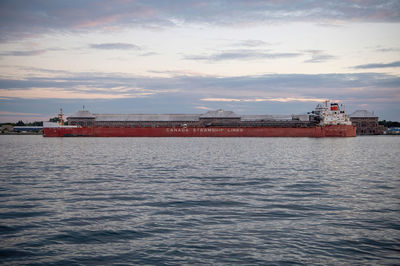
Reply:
x=191, y=56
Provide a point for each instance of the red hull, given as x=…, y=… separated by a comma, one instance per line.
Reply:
x=326, y=131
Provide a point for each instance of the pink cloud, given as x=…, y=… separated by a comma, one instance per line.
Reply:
x=99, y=22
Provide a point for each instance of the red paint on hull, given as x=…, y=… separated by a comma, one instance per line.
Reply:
x=326, y=131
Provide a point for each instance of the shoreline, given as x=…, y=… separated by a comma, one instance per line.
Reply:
x=22, y=133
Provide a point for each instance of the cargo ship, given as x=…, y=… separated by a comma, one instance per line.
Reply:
x=327, y=120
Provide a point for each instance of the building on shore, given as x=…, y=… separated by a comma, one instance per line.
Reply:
x=367, y=123
x=6, y=128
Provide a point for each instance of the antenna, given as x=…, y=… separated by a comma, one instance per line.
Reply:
x=60, y=117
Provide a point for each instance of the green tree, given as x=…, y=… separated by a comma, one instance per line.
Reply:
x=389, y=123
x=20, y=123
x=54, y=119
x=36, y=124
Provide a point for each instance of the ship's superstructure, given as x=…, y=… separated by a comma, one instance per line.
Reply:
x=325, y=120
x=332, y=115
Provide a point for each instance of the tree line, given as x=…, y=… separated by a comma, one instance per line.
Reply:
x=33, y=124
x=389, y=123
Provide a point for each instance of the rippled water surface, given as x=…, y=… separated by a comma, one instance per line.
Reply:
x=199, y=200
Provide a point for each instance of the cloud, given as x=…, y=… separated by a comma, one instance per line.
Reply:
x=382, y=49
x=115, y=46
x=264, y=100
x=283, y=87
x=180, y=93
x=252, y=43
x=149, y=54
x=30, y=52
x=23, y=53
x=386, y=50
x=3, y=113
x=242, y=54
x=204, y=108
x=369, y=66
x=69, y=85
x=318, y=56
x=220, y=100
x=21, y=19
x=55, y=93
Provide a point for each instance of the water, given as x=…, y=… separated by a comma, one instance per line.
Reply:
x=175, y=201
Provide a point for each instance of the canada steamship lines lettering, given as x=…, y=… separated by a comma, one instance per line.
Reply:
x=195, y=130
